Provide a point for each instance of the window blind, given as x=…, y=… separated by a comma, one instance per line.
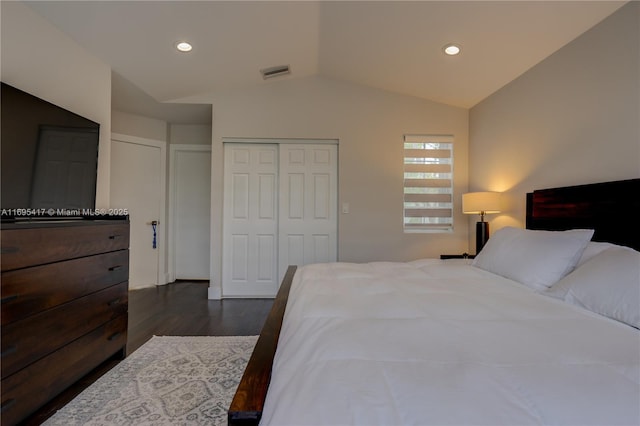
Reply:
x=428, y=183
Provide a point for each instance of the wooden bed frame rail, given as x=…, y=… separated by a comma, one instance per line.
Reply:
x=247, y=404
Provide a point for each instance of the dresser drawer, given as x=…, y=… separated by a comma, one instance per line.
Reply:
x=30, y=388
x=28, y=340
x=37, y=246
x=31, y=290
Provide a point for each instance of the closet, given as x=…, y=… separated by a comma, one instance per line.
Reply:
x=280, y=209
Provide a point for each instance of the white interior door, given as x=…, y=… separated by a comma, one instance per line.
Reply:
x=249, y=259
x=190, y=211
x=137, y=184
x=308, y=225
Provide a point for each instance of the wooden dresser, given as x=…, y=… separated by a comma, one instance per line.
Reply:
x=64, y=306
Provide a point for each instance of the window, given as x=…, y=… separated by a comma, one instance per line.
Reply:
x=428, y=183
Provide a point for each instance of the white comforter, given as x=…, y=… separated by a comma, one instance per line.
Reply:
x=445, y=343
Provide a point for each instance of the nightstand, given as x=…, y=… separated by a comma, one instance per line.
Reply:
x=457, y=256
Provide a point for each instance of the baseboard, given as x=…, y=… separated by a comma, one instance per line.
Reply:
x=214, y=293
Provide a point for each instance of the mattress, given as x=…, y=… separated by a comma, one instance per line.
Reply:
x=434, y=342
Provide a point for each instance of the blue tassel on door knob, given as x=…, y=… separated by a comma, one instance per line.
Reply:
x=154, y=225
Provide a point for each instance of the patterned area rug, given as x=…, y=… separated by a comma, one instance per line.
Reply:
x=167, y=381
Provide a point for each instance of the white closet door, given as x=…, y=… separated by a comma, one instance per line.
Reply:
x=308, y=205
x=249, y=260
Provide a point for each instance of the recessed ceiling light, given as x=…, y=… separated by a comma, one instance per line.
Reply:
x=451, y=49
x=183, y=46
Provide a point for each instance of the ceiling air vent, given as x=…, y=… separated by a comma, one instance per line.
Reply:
x=275, y=71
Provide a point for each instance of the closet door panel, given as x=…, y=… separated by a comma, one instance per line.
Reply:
x=250, y=231
x=308, y=224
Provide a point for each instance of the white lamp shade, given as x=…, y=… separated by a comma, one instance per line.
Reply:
x=481, y=202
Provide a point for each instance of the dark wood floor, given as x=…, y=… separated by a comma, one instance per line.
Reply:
x=177, y=309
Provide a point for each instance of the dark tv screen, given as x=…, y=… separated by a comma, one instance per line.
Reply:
x=49, y=157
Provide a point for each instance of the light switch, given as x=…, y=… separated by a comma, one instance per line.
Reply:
x=345, y=208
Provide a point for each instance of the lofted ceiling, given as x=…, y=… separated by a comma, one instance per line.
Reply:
x=390, y=45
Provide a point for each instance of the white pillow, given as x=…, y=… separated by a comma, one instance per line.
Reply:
x=592, y=249
x=608, y=284
x=559, y=290
x=537, y=259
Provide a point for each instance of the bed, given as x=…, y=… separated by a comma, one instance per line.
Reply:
x=497, y=340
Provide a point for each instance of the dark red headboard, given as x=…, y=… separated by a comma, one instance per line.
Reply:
x=612, y=209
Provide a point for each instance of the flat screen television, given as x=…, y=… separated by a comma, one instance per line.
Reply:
x=49, y=158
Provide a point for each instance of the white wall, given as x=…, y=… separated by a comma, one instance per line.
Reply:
x=572, y=119
x=160, y=130
x=43, y=61
x=369, y=125
x=198, y=134
x=139, y=126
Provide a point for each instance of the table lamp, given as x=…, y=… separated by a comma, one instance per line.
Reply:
x=481, y=203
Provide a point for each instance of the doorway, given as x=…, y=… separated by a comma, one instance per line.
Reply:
x=190, y=212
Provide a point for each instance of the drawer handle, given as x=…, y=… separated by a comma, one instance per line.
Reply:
x=9, y=250
x=8, y=299
x=115, y=236
x=10, y=350
x=114, y=302
x=7, y=404
x=114, y=336
x=115, y=268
